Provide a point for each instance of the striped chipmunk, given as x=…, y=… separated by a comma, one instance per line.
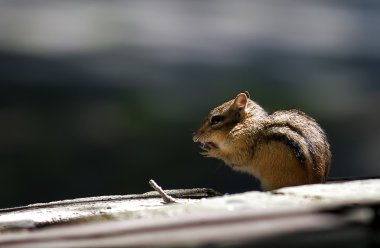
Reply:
x=285, y=148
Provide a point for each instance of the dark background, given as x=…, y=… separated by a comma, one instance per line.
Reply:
x=98, y=97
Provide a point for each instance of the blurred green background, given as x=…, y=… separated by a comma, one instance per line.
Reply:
x=98, y=97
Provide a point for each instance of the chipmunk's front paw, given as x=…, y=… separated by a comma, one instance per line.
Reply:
x=211, y=153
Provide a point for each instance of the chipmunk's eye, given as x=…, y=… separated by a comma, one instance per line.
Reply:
x=216, y=119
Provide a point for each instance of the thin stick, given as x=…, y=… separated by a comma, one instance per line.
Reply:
x=167, y=198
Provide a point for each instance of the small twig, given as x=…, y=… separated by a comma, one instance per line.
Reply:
x=167, y=198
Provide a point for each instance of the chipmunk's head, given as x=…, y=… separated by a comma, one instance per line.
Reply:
x=219, y=122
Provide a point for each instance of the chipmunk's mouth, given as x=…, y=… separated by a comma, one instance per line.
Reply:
x=208, y=146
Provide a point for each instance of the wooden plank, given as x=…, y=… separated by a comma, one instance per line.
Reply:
x=216, y=228
x=260, y=218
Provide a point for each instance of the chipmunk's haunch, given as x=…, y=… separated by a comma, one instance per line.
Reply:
x=282, y=149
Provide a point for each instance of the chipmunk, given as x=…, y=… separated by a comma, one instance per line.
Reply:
x=285, y=148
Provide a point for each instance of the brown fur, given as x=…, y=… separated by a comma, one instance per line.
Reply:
x=285, y=148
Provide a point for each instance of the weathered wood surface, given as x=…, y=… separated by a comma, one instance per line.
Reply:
x=332, y=215
x=104, y=207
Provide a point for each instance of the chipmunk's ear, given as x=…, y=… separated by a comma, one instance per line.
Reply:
x=241, y=101
x=247, y=93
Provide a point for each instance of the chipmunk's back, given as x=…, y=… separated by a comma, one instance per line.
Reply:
x=318, y=153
